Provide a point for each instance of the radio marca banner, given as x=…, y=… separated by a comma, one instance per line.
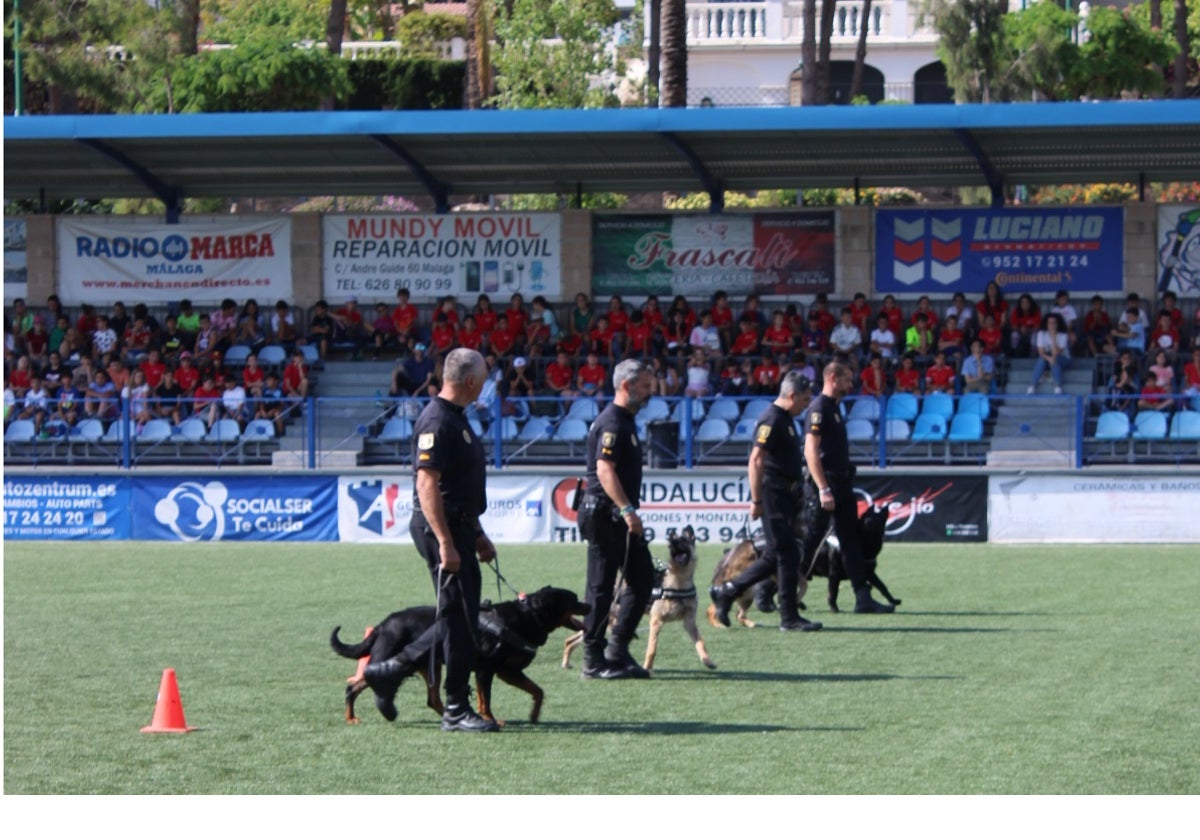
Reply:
x=1026, y=249
x=1179, y=249
x=206, y=261
x=463, y=254
x=767, y=253
x=66, y=508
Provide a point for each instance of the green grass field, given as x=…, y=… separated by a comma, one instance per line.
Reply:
x=1030, y=669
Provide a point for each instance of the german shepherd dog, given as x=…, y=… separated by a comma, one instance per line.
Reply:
x=677, y=600
x=508, y=637
x=827, y=563
x=576, y=639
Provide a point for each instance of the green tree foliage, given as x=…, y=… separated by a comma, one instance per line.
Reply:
x=420, y=33
x=404, y=84
x=552, y=53
x=235, y=21
x=972, y=46
x=552, y=202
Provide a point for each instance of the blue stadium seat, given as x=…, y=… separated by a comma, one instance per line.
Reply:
x=155, y=431
x=966, y=427
x=724, y=408
x=656, y=408
x=571, y=430
x=930, y=427
x=536, y=428
x=20, y=431
x=1150, y=425
x=743, y=431
x=1112, y=425
x=860, y=430
x=976, y=403
x=755, y=408
x=225, y=430
x=584, y=408
x=896, y=429
x=938, y=404
x=272, y=356
x=713, y=430
x=864, y=408
x=396, y=429
x=1185, y=425
x=235, y=356
x=191, y=430
x=258, y=431
x=901, y=406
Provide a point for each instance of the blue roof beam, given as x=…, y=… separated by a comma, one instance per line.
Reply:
x=995, y=180
x=439, y=191
x=171, y=197
x=713, y=186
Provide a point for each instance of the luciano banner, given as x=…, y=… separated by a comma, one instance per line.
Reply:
x=1026, y=249
x=205, y=261
x=462, y=254
x=1179, y=249
x=667, y=255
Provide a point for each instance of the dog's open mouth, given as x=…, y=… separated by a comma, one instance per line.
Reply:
x=681, y=558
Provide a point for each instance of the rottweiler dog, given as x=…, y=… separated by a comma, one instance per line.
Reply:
x=827, y=563
x=509, y=635
x=676, y=600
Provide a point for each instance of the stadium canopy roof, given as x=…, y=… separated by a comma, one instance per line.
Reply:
x=443, y=153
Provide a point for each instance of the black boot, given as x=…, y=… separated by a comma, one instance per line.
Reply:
x=460, y=717
x=384, y=678
x=619, y=659
x=722, y=597
x=595, y=666
x=800, y=623
x=789, y=612
x=864, y=603
x=764, y=596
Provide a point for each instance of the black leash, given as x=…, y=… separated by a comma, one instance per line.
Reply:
x=495, y=564
x=437, y=618
x=620, y=578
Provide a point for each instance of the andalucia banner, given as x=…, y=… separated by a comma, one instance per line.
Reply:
x=767, y=253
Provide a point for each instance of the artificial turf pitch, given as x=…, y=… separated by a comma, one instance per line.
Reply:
x=1008, y=669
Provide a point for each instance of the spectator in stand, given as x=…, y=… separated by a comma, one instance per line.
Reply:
x=846, y=339
x=136, y=342
x=539, y=336
x=1054, y=353
x=35, y=405
x=1170, y=306
x=54, y=311
x=469, y=335
x=860, y=314
x=722, y=317
x=485, y=316
x=1128, y=334
x=542, y=310
x=1123, y=386
x=677, y=335
x=520, y=380
x=1165, y=337
x=86, y=323
x=826, y=319
x=404, y=320
x=322, y=329
x=253, y=376
x=269, y=405
x=1097, y=328
x=153, y=369
x=350, y=326
x=171, y=341
x=206, y=400
x=449, y=306
x=766, y=375
x=417, y=376
x=591, y=377
x=746, y=342
x=233, y=402
x=705, y=337
x=118, y=321
x=801, y=363
x=602, y=341
x=908, y=375
x=1062, y=307
x=104, y=339
x=56, y=374
x=100, y=398
x=778, y=337
x=698, y=374
x=569, y=343
x=188, y=321
x=1023, y=325
x=690, y=316
x=1191, y=377
x=282, y=327
x=68, y=405
x=583, y=317
x=638, y=337
x=939, y=376
x=224, y=321
x=993, y=303
x=978, y=370
x=169, y=400
x=925, y=306
x=187, y=374
x=37, y=342
x=118, y=374
x=734, y=380
x=883, y=341
x=814, y=341
x=204, y=347
x=919, y=339
x=951, y=340
x=21, y=376
x=138, y=394
x=874, y=378
x=992, y=336
x=1155, y=397
x=618, y=319
x=501, y=340
x=895, y=317
x=58, y=336
x=795, y=322
x=655, y=321
x=964, y=313
x=295, y=377
x=757, y=317
x=666, y=377
x=517, y=319
x=252, y=326
x=382, y=330
x=1133, y=300
x=1163, y=371
x=560, y=379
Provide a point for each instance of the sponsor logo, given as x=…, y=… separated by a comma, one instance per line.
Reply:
x=902, y=513
x=377, y=504
x=192, y=511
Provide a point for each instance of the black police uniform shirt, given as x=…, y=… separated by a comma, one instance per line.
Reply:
x=443, y=441
x=776, y=436
x=613, y=437
x=825, y=421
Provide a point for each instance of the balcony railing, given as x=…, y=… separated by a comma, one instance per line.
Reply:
x=782, y=21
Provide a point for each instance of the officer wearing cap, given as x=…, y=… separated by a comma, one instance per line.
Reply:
x=609, y=521
x=829, y=489
x=775, y=473
x=449, y=496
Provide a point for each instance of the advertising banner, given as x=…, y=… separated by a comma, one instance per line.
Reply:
x=378, y=509
x=928, y=508
x=666, y=255
x=1178, y=249
x=1024, y=249
x=235, y=508
x=1093, y=508
x=204, y=260
x=462, y=254
x=66, y=508
x=15, y=274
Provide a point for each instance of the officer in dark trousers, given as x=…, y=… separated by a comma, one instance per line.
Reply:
x=608, y=520
x=449, y=496
x=775, y=473
x=829, y=490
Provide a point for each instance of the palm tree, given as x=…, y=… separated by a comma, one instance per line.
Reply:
x=828, y=10
x=674, y=54
x=808, y=54
x=653, y=53
x=479, y=62
x=1181, y=58
x=860, y=53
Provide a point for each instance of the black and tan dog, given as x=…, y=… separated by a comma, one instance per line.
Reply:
x=677, y=600
x=827, y=563
x=509, y=635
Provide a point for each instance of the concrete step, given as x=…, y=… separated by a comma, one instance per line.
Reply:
x=1024, y=458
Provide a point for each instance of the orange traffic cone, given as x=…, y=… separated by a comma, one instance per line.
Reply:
x=362, y=660
x=168, y=711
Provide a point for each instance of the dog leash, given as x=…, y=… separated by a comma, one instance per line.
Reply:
x=437, y=618
x=620, y=578
x=495, y=564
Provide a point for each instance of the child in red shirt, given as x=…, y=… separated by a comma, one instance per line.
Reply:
x=187, y=376
x=295, y=377
x=469, y=334
x=637, y=337
x=778, y=337
x=442, y=335
x=895, y=317
x=153, y=369
x=765, y=377
x=873, y=378
x=860, y=315
x=252, y=377
x=485, y=316
x=517, y=316
x=501, y=340
x=939, y=376
x=908, y=378
x=617, y=317
x=570, y=343
x=600, y=340
x=991, y=336
x=404, y=317
x=591, y=376
x=746, y=342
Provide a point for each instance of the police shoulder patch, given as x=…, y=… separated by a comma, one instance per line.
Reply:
x=764, y=432
x=609, y=439
x=425, y=440
x=467, y=435
x=815, y=419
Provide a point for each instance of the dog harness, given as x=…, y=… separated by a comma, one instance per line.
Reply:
x=675, y=594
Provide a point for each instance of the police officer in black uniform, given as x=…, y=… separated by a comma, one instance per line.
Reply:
x=829, y=489
x=449, y=496
x=775, y=473
x=608, y=520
